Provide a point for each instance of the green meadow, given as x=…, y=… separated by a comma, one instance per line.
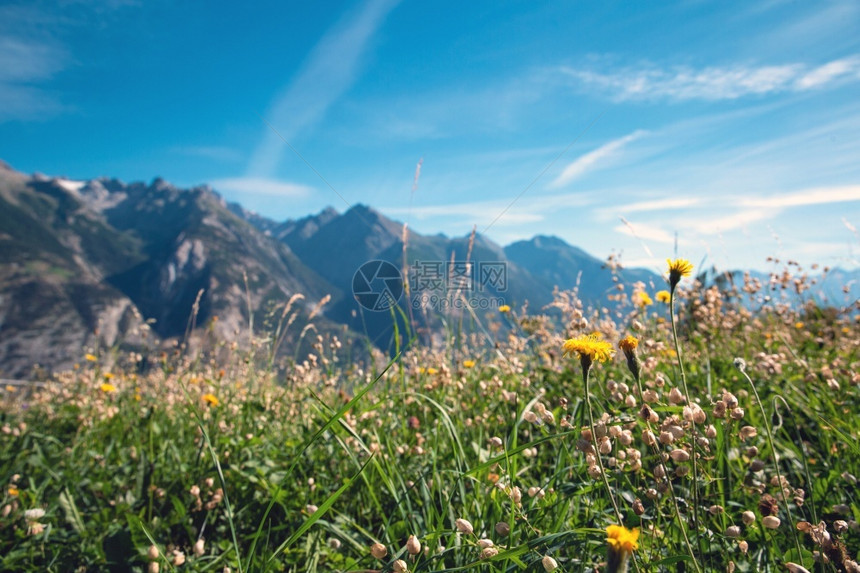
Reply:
x=709, y=428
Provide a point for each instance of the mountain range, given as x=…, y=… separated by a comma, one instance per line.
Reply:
x=103, y=264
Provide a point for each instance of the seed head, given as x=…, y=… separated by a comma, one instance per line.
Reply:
x=549, y=564
x=378, y=550
x=464, y=526
x=770, y=521
x=413, y=546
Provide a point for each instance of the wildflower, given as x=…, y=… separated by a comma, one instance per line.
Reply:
x=733, y=531
x=34, y=514
x=378, y=550
x=178, y=558
x=663, y=296
x=90, y=357
x=677, y=269
x=468, y=364
x=413, y=546
x=504, y=309
x=12, y=491
x=748, y=517
x=642, y=299
x=628, y=345
x=464, y=526
x=109, y=375
x=399, y=566
x=770, y=521
x=210, y=399
x=489, y=552
x=549, y=564
x=107, y=387
x=589, y=347
x=622, y=542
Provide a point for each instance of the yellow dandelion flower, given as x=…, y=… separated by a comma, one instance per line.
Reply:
x=210, y=399
x=663, y=296
x=107, y=388
x=13, y=491
x=799, y=325
x=589, y=346
x=628, y=343
x=677, y=269
x=623, y=539
x=622, y=542
x=642, y=299
x=90, y=357
x=468, y=363
x=431, y=371
x=504, y=308
x=108, y=375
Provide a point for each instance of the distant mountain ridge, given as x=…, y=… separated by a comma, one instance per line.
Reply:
x=109, y=264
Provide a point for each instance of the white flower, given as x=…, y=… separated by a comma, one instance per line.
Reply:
x=34, y=514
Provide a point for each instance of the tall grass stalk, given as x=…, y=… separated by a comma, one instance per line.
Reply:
x=741, y=366
x=635, y=371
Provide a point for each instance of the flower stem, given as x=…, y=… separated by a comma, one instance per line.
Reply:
x=586, y=366
x=656, y=448
x=692, y=421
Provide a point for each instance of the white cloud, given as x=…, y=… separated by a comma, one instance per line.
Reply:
x=829, y=72
x=707, y=225
x=645, y=232
x=812, y=196
x=713, y=83
x=594, y=159
x=328, y=72
x=24, y=66
x=261, y=186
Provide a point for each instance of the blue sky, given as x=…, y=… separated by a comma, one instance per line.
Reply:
x=731, y=128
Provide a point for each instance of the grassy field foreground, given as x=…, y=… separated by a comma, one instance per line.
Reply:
x=714, y=438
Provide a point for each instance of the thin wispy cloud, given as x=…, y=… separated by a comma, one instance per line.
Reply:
x=593, y=160
x=331, y=68
x=645, y=232
x=712, y=83
x=25, y=65
x=215, y=152
x=814, y=196
x=261, y=186
x=482, y=212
